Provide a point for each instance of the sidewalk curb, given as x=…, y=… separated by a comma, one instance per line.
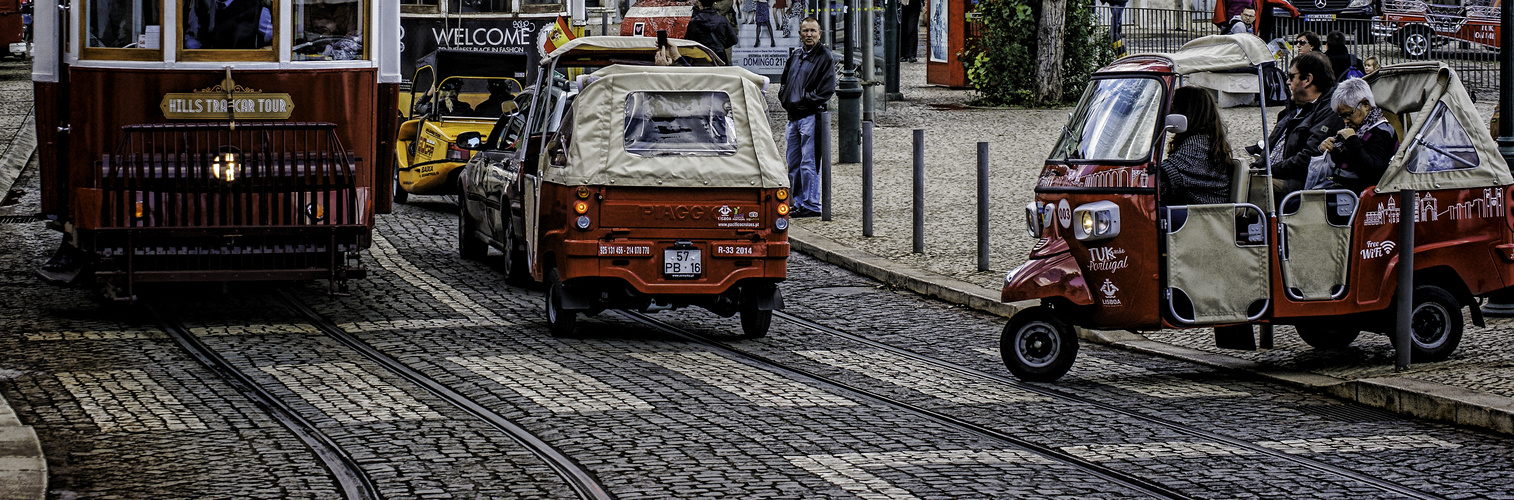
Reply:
x=23, y=469
x=19, y=153
x=1400, y=395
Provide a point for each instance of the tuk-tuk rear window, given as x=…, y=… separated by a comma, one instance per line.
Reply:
x=679, y=124
x=1116, y=120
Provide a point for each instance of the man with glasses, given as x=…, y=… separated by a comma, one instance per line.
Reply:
x=1243, y=22
x=1306, y=122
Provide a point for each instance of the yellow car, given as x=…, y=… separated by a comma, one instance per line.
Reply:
x=454, y=91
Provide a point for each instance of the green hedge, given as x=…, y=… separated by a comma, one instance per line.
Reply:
x=1003, y=65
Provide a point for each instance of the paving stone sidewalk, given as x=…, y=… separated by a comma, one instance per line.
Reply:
x=1475, y=387
x=23, y=471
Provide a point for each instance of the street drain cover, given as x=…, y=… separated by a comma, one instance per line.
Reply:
x=1352, y=414
x=17, y=219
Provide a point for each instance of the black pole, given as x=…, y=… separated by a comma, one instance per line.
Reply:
x=919, y=238
x=1407, y=211
x=867, y=179
x=849, y=94
x=891, y=51
x=982, y=206
x=823, y=151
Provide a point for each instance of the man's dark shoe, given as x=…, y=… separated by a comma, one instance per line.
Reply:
x=802, y=212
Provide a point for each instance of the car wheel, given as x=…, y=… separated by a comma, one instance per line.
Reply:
x=1037, y=346
x=559, y=321
x=1326, y=337
x=468, y=247
x=1416, y=41
x=754, y=322
x=514, y=262
x=1435, y=325
x=400, y=195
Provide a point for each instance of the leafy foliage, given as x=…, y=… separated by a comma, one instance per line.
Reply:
x=1002, y=65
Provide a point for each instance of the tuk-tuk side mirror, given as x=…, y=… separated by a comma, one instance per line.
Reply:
x=1176, y=124
x=470, y=140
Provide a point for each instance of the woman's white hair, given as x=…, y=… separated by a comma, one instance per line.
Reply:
x=1351, y=93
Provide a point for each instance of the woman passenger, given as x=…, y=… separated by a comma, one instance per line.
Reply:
x=1198, y=165
x=1362, y=149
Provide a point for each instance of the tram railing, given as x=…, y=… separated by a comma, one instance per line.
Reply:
x=213, y=175
x=1452, y=37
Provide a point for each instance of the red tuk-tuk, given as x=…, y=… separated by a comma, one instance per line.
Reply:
x=636, y=186
x=1111, y=255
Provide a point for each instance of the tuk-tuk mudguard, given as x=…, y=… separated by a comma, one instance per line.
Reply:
x=1054, y=276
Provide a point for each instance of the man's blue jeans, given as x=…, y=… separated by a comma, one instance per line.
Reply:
x=804, y=177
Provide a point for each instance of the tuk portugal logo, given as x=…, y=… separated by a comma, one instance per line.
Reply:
x=1107, y=259
x=1108, y=289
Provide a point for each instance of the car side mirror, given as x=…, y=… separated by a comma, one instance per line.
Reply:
x=1176, y=124
x=471, y=140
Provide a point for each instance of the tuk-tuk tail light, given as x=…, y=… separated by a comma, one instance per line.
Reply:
x=580, y=207
x=783, y=194
x=783, y=209
x=583, y=193
x=1096, y=221
x=582, y=222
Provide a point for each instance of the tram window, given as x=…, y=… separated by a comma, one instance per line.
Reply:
x=228, y=24
x=471, y=6
x=124, y=24
x=541, y=5
x=328, y=30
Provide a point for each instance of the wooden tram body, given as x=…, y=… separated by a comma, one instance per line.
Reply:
x=160, y=162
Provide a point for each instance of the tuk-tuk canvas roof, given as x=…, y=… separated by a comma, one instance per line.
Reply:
x=689, y=49
x=1411, y=91
x=1218, y=53
x=597, y=149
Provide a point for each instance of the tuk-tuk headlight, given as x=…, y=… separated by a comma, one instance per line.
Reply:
x=1097, y=221
x=1033, y=219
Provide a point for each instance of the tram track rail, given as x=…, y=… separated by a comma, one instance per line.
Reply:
x=1112, y=475
x=1381, y=484
x=1121, y=477
x=350, y=477
x=582, y=481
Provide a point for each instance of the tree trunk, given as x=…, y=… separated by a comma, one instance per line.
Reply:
x=1049, y=41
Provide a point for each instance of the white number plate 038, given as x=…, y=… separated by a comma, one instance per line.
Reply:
x=682, y=263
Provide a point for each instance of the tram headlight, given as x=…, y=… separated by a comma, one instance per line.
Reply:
x=1096, y=221
x=224, y=166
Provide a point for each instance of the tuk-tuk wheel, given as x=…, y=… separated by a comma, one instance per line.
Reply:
x=1416, y=41
x=1436, y=324
x=755, y=323
x=559, y=322
x=1326, y=336
x=1037, y=346
x=468, y=247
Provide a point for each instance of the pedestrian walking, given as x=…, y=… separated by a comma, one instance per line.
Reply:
x=1342, y=60
x=710, y=28
x=1116, y=22
x=809, y=80
x=909, y=31
x=762, y=15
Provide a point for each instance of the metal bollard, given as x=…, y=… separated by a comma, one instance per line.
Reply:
x=1407, y=211
x=982, y=206
x=919, y=190
x=867, y=179
x=823, y=152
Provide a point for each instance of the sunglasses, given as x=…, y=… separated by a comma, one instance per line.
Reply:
x=1301, y=42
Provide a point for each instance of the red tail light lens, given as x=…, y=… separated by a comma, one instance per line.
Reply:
x=457, y=153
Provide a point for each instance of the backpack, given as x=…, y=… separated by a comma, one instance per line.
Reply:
x=1355, y=69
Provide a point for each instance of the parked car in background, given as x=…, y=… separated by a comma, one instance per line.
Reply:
x=1417, y=27
x=453, y=91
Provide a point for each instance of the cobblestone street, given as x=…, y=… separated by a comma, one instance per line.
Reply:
x=860, y=390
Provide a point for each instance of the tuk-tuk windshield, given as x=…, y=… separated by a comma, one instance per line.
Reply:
x=1115, y=120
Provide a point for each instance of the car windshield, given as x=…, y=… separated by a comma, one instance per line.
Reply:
x=1115, y=120
x=679, y=123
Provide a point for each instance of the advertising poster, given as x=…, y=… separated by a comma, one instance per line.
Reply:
x=422, y=35
x=938, y=36
x=766, y=32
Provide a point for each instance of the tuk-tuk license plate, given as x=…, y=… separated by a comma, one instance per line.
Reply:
x=682, y=262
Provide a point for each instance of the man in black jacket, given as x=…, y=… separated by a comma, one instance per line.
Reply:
x=809, y=80
x=1303, y=124
x=708, y=27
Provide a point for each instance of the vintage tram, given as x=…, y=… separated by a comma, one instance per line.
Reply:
x=214, y=140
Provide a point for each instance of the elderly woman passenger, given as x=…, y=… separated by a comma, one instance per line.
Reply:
x=1362, y=149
